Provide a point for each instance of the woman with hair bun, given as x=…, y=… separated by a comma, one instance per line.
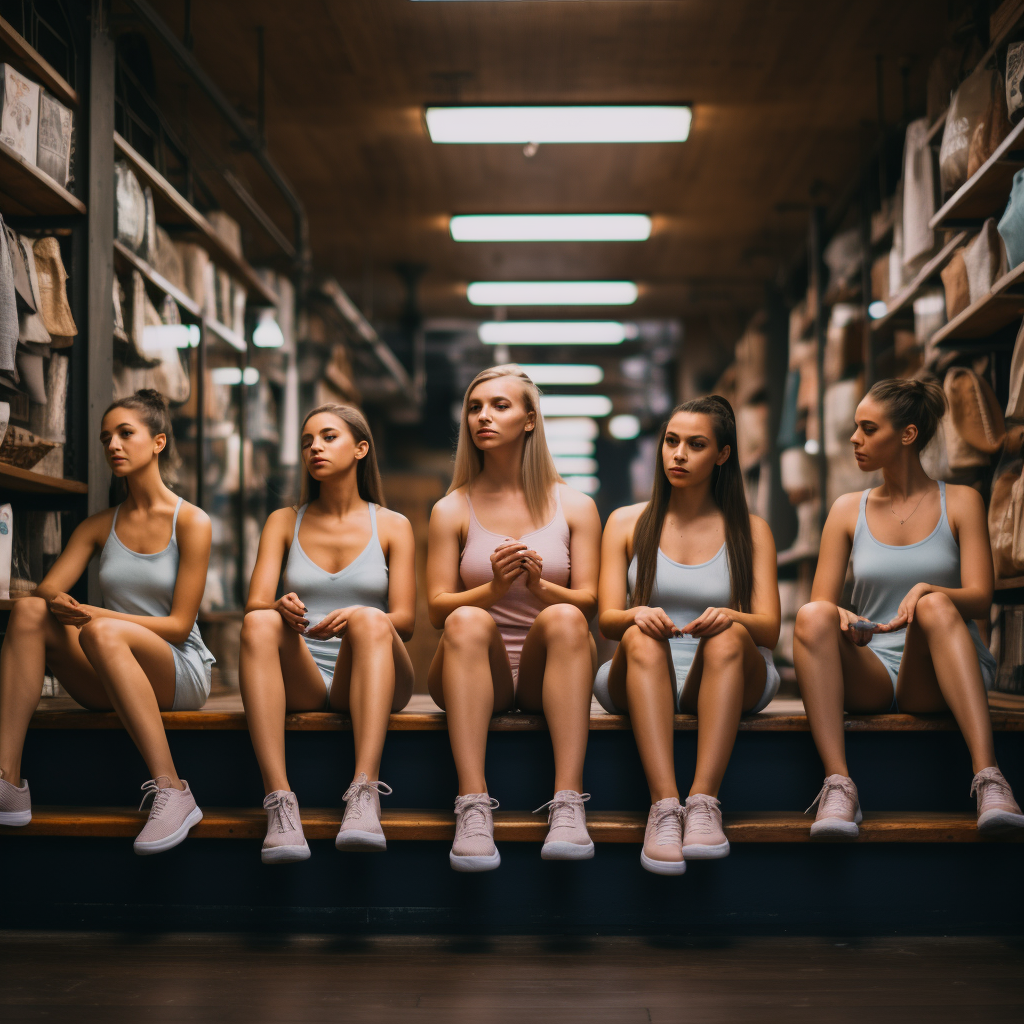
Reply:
x=334, y=640
x=918, y=552
x=688, y=587
x=512, y=576
x=140, y=652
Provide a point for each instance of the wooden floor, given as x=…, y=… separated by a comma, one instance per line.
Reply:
x=92, y=978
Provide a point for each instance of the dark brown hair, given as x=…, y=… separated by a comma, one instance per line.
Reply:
x=367, y=472
x=906, y=401
x=152, y=409
x=726, y=486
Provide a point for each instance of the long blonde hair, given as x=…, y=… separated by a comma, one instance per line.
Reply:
x=367, y=472
x=539, y=475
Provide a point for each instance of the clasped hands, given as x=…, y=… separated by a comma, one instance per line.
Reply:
x=859, y=630
x=293, y=611
x=655, y=623
x=510, y=560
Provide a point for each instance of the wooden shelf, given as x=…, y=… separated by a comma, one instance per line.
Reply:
x=128, y=260
x=16, y=479
x=1000, y=307
x=173, y=209
x=26, y=58
x=984, y=194
x=27, y=191
x=236, y=341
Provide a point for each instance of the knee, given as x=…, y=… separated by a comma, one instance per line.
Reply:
x=815, y=621
x=369, y=625
x=261, y=626
x=468, y=626
x=28, y=615
x=727, y=646
x=936, y=611
x=641, y=649
x=101, y=634
x=564, y=622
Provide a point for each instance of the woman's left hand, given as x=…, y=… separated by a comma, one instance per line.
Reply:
x=907, y=608
x=712, y=622
x=533, y=566
x=333, y=624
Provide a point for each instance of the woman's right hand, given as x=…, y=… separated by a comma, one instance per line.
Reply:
x=654, y=622
x=293, y=611
x=67, y=611
x=856, y=628
x=507, y=564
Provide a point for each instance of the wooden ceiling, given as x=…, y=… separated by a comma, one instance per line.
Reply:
x=784, y=102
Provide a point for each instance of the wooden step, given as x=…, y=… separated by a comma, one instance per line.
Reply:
x=509, y=826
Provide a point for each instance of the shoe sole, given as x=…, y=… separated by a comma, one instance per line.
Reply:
x=284, y=854
x=15, y=817
x=1000, y=821
x=835, y=828
x=353, y=839
x=697, y=851
x=488, y=863
x=177, y=836
x=662, y=867
x=566, y=851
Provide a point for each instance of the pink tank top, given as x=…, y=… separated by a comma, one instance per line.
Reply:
x=515, y=612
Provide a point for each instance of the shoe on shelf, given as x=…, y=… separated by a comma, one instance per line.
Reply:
x=360, y=827
x=173, y=813
x=567, y=837
x=997, y=810
x=838, y=808
x=285, y=842
x=474, y=849
x=663, y=841
x=15, y=802
x=703, y=836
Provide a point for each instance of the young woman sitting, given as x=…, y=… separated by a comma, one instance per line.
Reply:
x=688, y=585
x=918, y=551
x=512, y=576
x=334, y=640
x=139, y=653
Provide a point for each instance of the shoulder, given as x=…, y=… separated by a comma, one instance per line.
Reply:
x=452, y=508
x=98, y=525
x=193, y=521
x=391, y=522
x=282, y=519
x=624, y=519
x=760, y=531
x=962, y=500
x=575, y=504
x=845, y=506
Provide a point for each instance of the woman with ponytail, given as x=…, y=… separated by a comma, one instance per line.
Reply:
x=139, y=653
x=512, y=577
x=918, y=552
x=688, y=585
x=335, y=639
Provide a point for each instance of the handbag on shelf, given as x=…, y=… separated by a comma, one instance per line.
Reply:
x=993, y=128
x=1011, y=224
x=918, y=194
x=975, y=125
x=53, y=298
x=1014, y=76
x=1015, y=405
x=956, y=285
x=844, y=342
x=8, y=306
x=985, y=260
x=129, y=207
x=976, y=418
x=751, y=434
x=1005, y=522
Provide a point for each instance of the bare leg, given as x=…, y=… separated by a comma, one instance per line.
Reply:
x=136, y=668
x=471, y=679
x=276, y=674
x=727, y=677
x=374, y=677
x=834, y=673
x=940, y=671
x=556, y=673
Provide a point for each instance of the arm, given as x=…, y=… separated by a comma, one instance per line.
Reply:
x=267, y=572
x=401, y=556
x=84, y=542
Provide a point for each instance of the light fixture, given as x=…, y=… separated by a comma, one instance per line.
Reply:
x=556, y=332
x=268, y=332
x=877, y=309
x=578, y=428
x=157, y=337
x=231, y=375
x=576, y=466
x=551, y=227
x=568, y=445
x=552, y=293
x=551, y=124
x=624, y=427
x=811, y=446
x=586, y=484
x=575, y=405
x=563, y=373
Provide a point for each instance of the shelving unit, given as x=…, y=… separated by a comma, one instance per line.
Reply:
x=15, y=479
x=16, y=49
x=27, y=191
x=1003, y=305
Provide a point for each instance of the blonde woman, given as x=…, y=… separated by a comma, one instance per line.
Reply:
x=512, y=579
x=335, y=639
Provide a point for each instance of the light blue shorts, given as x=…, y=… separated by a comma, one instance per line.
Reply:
x=192, y=678
x=684, y=650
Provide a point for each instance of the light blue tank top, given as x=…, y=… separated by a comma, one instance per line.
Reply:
x=685, y=591
x=136, y=584
x=364, y=581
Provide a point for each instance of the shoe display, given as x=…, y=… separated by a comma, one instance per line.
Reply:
x=997, y=810
x=567, y=837
x=703, y=836
x=473, y=848
x=360, y=827
x=663, y=841
x=173, y=813
x=838, y=809
x=285, y=842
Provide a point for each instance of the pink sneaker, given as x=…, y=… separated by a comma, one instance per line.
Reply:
x=703, y=836
x=838, y=810
x=474, y=849
x=997, y=810
x=285, y=842
x=567, y=837
x=360, y=828
x=663, y=842
x=173, y=813
x=15, y=802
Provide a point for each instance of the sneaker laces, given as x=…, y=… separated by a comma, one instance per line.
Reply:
x=991, y=777
x=160, y=795
x=836, y=787
x=563, y=808
x=279, y=807
x=471, y=816
x=699, y=813
x=364, y=790
x=668, y=825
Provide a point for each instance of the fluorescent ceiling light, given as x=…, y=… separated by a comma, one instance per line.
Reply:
x=552, y=293
x=576, y=466
x=230, y=375
x=624, y=427
x=586, y=484
x=541, y=124
x=563, y=373
x=568, y=445
x=556, y=332
x=268, y=332
x=575, y=405
x=551, y=227
x=579, y=427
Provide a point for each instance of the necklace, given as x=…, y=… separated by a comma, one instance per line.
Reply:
x=916, y=507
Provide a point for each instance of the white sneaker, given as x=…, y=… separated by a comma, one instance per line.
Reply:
x=474, y=849
x=838, y=807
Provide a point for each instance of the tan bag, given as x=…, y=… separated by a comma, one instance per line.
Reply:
x=1004, y=511
x=977, y=421
x=956, y=285
x=984, y=260
x=993, y=128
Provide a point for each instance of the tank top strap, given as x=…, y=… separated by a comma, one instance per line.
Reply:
x=117, y=508
x=174, y=520
x=298, y=519
x=862, y=515
x=374, y=535
x=944, y=514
